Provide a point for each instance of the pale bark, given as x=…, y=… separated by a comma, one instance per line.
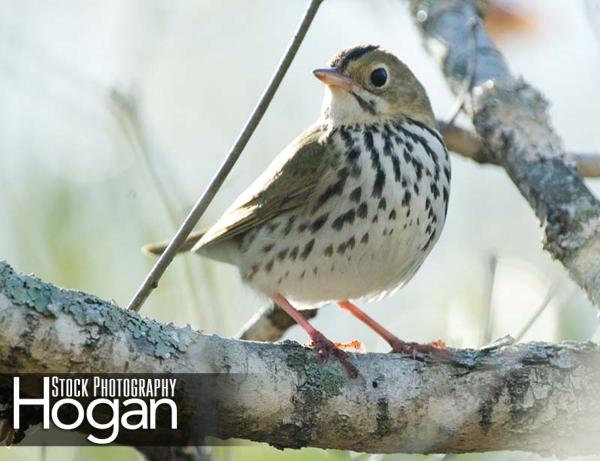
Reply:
x=538, y=397
x=511, y=117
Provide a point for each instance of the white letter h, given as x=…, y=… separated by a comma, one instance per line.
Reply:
x=18, y=401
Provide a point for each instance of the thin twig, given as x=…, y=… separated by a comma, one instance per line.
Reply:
x=127, y=111
x=469, y=76
x=550, y=295
x=489, y=312
x=192, y=218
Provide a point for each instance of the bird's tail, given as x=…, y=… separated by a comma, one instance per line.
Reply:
x=158, y=248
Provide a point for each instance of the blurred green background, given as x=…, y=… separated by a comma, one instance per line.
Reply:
x=115, y=114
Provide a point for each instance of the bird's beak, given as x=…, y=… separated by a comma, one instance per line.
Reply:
x=330, y=76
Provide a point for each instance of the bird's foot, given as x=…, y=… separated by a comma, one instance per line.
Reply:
x=326, y=348
x=437, y=347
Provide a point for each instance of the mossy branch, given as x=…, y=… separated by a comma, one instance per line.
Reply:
x=537, y=397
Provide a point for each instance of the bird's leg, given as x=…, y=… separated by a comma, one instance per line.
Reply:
x=319, y=341
x=397, y=344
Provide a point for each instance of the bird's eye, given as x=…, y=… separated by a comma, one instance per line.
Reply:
x=379, y=77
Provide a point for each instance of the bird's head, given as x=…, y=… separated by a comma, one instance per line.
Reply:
x=366, y=84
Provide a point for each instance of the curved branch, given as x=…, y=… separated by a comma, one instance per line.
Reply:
x=511, y=117
x=537, y=397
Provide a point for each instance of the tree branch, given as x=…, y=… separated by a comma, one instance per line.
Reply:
x=469, y=145
x=538, y=397
x=511, y=118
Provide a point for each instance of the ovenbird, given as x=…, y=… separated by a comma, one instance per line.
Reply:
x=351, y=208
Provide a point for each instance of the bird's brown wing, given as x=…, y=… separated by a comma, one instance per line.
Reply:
x=286, y=184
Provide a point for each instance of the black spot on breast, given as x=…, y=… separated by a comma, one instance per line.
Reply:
x=353, y=154
x=252, y=272
x=406, y=198
x=289, y=226
x=392, y=215
x=382, y=204
x=347, y=217
x=294, y=253
x=272, y=226
x=379, y=183
x=319, y=222
x=434, y=190
x=365, y=238
x=418, y=168
x=396, y=167
x=268, y=248
x=429, y=241
x=387, y=145
x=416, y=188
x=282, y=254
x=389, y=152
x=346, y=137
x=350, y=243
x=355, y=194
x=447, y=173
x=328, y=251
x=376, y=164
x=302, y=227
x=362, y=210
x=269, y=265
x=333, y=189
x=307, y=249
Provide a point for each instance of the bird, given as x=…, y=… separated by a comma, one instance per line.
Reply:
x=351, y=208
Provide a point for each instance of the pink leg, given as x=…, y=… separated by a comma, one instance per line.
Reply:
x=397, y=344
x=324, y=346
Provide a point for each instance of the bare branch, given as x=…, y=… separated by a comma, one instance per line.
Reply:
x=469, y=145
x=512, y=119
x=215, y=184
x=537, y=397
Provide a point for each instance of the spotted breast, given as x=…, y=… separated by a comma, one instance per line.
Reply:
x=371, y=220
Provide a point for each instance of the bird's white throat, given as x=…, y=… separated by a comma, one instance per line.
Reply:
x=340, y=107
